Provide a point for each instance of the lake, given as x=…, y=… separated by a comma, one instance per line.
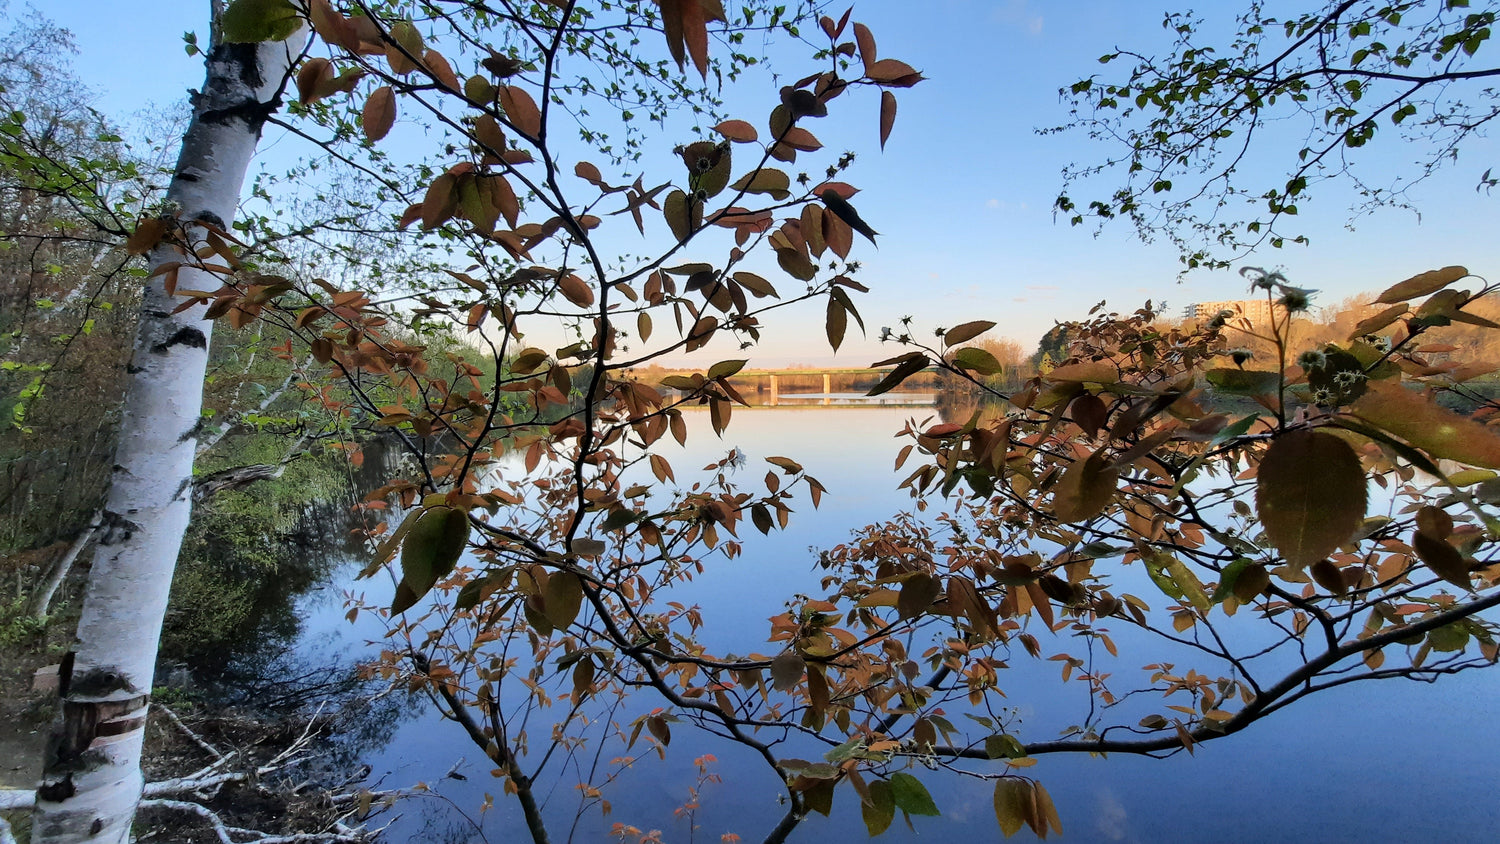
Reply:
x=1382, y=762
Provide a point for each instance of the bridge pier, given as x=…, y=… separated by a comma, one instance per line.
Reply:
x=775, y=391
x=827, y=383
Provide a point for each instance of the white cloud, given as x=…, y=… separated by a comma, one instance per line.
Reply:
x=1019, y=13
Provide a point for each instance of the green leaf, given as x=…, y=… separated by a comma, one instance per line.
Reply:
x=977, y=360
x=1244, y=382
x=911, y=796
x=767, y=180
x=726, y=368
x=1310, y=494
x=1227, y=578
x=432, y=548
x=1450, y=638
x=1156, y=568
x=563, y=598
x=253, y=21
x=881, y=810
x=1192, y=588
x=819, y=798
x=1003, y=746
x=387, y=549
x=1014, y=804
x=848, y=750
x=1436, y=430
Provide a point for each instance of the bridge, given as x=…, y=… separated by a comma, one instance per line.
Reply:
x=774, y=376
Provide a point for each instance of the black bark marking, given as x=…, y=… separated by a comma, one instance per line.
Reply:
x=98, y=682
x=246, y=57
x=212, y=219
x=116, y=528
x=193, y=431
x=65, y=674
x=132, y=369
x=184, y=176
x=184, y=337
x=252, y=111
x=57, y=792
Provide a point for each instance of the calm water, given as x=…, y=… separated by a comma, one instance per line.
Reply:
x=1388, y=762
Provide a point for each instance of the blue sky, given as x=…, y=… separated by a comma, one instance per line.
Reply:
x=962, y=194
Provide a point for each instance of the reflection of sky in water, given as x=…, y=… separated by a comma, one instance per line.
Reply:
x=1375, y=762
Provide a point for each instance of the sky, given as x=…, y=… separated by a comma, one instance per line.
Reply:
x=962, y=194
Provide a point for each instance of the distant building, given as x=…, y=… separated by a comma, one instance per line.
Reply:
x=1257, y=311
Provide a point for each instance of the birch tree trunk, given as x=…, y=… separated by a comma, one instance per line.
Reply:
x=92, y=780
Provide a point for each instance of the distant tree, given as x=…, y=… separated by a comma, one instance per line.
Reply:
x=1194, y=160
x=1053, y=346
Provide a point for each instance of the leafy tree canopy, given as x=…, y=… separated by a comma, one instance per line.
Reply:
x=1341, y=81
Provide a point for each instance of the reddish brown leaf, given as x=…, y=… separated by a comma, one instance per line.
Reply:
x=314, y=75
x=503, y=197
x=488, y=133
x=917, y=595
x=1090, y=413
x=838, y=235
x=522, y=110
x=331, y=26
x=891, y=71
x=1370, y=325
x=887, y=115
x=1421, y=285
x=967, y=331
x=438, y=66
x=380, y=113
x=1434, y=522
x=866, y=42
x=837, y=322
x=738, y=131
x=1444, y=560
x=695, y=34
x=1085, y=489
x=671, y=22
x=800, y=139
x=440, y=202
x=576, y=290
x=147, y=234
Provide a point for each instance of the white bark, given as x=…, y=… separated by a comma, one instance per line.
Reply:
x=41, y=602
x=92, y=780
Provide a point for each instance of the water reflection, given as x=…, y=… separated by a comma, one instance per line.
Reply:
x=1367, y=762
x=254, y=585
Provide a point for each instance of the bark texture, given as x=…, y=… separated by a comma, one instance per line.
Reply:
x=92, y=780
